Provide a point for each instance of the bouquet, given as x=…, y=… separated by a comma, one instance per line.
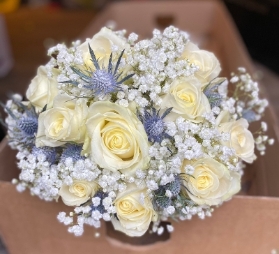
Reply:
x=135, y=132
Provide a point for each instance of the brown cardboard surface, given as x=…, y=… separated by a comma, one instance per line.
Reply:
x=244, y=225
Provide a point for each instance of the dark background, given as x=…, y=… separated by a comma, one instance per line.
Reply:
x=258, y=24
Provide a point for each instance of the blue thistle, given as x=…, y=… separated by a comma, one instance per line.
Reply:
x=212, y=94
x=174, y=186
x=160, y=200
x=26, y=125
x=49, y=152
x=249, y=115
x=100, y=207
x=103, y=80
x=72, y=151
x=154, y=125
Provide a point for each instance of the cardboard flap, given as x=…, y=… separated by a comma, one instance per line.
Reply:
x=243, y=225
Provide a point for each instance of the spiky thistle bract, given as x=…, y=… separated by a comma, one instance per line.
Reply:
x=160, y=200
x=154, y=125
x=212, y=94
x=50, y=153
x=25, y=126
x=72, y=151
x=103, y=80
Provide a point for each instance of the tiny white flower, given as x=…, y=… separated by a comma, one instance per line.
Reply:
x=168, y=193
x=96, y=201
x=170, y=228
x=160, y=230
x=264, y=126
x=271, y=141
x=106, y=217
x=170, y=210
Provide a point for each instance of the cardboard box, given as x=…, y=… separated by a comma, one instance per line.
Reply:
x=246, y=224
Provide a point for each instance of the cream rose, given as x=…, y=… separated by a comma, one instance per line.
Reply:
x=42, y=89
x=134, y=214
x=209, y=66
x=241, y=139
x=118, y=138
x=212, y=183
x=78, y=192
x=187, y=100
x=65, y=122
x=101, y=44
x=223, y=117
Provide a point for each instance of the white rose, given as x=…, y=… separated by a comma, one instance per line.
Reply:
x=65, y=122
x=42, y=89
x=241, y=139
x=118, y=138
x=78, y=192
x=223, y=117
x=101, y=43
x=134, y=213
x=187, y=100
x=209, y=66
x=211, y=183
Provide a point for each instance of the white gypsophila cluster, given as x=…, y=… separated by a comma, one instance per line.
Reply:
x=101, y=209
x=118, y=128
x=38, y=175
x=156, y=62
x=251, y=107
x=262, y=139
x=194, y=141
x=79, y=170
x=64, y=58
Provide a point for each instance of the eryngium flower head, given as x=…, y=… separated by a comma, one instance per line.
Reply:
x=50, y=153
x=101, y=208
x=103, y=80
x=28, y=125
x=154, y=125
x=24, y=128
x=174, y=186
x=212, y=94
x=72, y=151
x=161, y=200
